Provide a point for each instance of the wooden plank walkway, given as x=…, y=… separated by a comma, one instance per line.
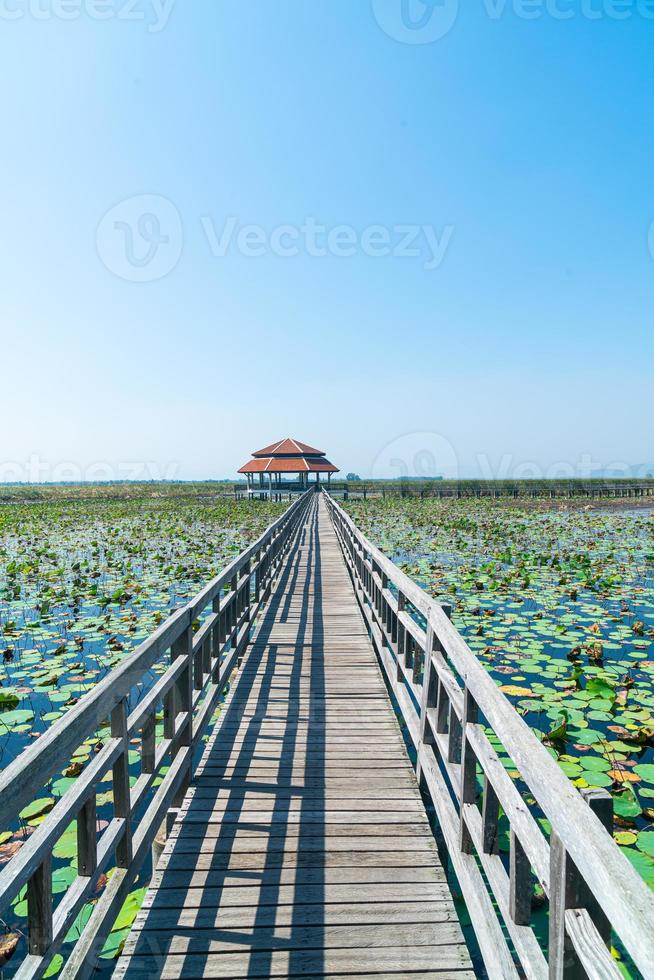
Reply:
x=302, y=847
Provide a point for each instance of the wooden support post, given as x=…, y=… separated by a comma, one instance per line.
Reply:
x=148, y=744
x=569, y=891
x=442, y=710
x=490, y=815
x=468, y=790
x=455, y=737
x=87, y=841
x=429, y=689
x=520, y=884
x=39, y=908
x=121, y=787
x=601, y=803
x=183, y=647
x=429, y=696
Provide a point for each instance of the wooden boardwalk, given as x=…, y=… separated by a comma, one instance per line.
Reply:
x=302, y=847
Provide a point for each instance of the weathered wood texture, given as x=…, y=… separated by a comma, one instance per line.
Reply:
x=189, y=690
x=451, y=705
x=302, y=847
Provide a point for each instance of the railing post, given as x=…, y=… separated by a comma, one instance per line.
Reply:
x=39, y=908
x=468, y=788
x=183, y=647
x=401, y=637
x=216, y=640
x=443, y=701
x=490, y=816
x=569, y=891
x=246, y=603
x=87, y=841
x=429, y=695
x=206, y=657
x=148, y=744
x=429, y=689
x=198, y=667
x=520, y=884
x=384, y=608
x=601, y=803
x=121, y=788
x=233, y=606
x=257, y=578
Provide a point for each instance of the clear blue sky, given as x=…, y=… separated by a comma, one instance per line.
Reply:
x=524, y=146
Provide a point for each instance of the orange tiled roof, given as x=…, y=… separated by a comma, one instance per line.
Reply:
x=288, y=447
x=285, y=465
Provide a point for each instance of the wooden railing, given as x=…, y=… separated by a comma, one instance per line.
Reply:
x=483, y=489
x=201, y=663
x=450, y=705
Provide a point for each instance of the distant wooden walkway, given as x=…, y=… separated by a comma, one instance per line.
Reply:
x=302, y=847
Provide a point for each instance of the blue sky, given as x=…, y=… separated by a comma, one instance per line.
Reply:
x=159, y=161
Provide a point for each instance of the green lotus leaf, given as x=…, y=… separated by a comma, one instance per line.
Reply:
x=595, y=778
x=37, y=808
x=595, y=764
x=625, y=838
x=55, y=966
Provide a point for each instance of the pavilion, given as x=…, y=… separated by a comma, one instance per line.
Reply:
x=288, y=457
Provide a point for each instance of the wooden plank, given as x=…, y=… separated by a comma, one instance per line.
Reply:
x=209, y=940
x=590, y=947
x=294, y=858
x=317, y=914
x=276, y=894
x=408, y=873
x=302, y=847
x=443, y=961
x=619, y=890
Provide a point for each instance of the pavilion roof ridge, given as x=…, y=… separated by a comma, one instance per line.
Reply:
x=288, y=447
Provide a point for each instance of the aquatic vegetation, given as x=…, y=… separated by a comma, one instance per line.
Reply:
x=559, y=607
x=82, y=583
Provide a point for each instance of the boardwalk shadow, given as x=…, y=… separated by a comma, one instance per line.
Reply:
x=246, y=876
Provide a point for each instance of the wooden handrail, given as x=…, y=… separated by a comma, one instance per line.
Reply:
x=450, y=703
x=201, y=665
